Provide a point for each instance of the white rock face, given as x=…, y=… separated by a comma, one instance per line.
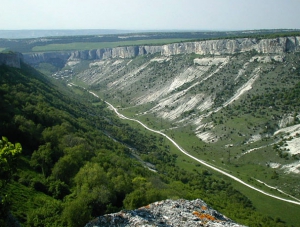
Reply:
x=267, y=59
x=209, y=61
x=231, y=46
x=286, y=120
x=292, y=168
x=293, y=139
x=208, y=47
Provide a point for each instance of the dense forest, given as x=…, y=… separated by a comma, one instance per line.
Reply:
x=65, y=158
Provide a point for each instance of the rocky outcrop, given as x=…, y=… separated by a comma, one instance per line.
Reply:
x=11, y=59
x=60, y=58
x=209, y=47
x=167, y=213
x=117, y=52
x=55, y=58
x=232, y=46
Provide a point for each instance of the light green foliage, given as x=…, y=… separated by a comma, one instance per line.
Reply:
x=90, y=176
x=8, y=154
x=9, y=150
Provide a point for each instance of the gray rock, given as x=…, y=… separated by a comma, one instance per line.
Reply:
x=166, y=213
x=209, y=47
x=11, y=59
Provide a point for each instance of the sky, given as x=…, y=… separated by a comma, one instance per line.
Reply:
x=150, y=14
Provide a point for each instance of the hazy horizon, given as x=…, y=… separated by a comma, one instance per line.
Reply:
x=40, y=33
x=215, y=15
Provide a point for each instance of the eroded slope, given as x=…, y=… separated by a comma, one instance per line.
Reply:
x=234, y=103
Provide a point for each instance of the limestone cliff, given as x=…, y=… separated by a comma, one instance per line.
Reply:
x=55, y=58
x=232, y=46
x=208, y=47
x=11, y=59
x=117, y=52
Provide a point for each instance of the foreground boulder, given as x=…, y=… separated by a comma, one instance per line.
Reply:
x=166, y=213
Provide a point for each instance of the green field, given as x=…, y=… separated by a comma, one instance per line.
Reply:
x=100, y=45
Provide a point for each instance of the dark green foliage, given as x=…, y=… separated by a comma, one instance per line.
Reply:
x=283, y=99
x=45, y=215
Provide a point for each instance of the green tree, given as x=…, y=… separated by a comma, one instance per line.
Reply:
x=42, y=158
x=77, y=213
x=91, y=175
x=8, y=154
x=135, y=199
x=93, y=187
x=65, y=168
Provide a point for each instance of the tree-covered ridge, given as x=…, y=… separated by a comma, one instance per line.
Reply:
x=77, y=160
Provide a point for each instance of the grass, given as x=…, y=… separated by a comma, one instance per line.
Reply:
x=270, y=207
x=100, y=45
x=24, y=197
x=287, y=212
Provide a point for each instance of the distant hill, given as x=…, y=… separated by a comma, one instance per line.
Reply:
x=25, y=34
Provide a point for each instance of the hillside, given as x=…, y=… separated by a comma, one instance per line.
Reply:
x=246, y=104
x=233, y=103
x=79, y=161
x=238, y=112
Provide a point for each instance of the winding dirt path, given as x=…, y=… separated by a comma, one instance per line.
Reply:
x=196, y=159
x=199, y=160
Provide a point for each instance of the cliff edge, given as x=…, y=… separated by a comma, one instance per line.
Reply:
x=167, y=213
x=11, y=59
x=208, y=47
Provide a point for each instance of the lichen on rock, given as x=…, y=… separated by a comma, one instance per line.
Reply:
x=167, y=213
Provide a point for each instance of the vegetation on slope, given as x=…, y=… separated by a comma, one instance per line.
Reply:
x=77, y=160
x=243, y=139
